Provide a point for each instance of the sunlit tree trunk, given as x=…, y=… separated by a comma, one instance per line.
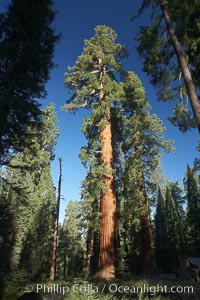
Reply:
x=183, y=65
x=106, y=266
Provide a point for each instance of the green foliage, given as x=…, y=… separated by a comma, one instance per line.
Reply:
x=140, y=140
x=72, y=242
x=93, y=82
x=170, y=239
x=159, y=58
x=192, y=190
x=101, y=53
x=28, y=201
x=98, y=70
x=14, y=283
x=27, y=43
x=182, y=117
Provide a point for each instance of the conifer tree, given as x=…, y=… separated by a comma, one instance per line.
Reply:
x=171, y=230
x=7, y=224
x=72, y=242
x=142, y=142
x=30, y=191
x=56, y=223
x=192, y=190
x=170, y=239
x=94, y=85
x=90, y=195
x=159, y=223
x=41, y=232
x=27, y=43
x=173, y=56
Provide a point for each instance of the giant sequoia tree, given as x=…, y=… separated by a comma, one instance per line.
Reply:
x=123, y=149
x=92, y=79
x=27, y=43
x=141, y=142
x=174, y=55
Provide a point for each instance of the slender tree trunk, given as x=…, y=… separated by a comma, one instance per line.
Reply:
x=55, y=235
x=147, y=255
x=183, y=65
x=107, y=251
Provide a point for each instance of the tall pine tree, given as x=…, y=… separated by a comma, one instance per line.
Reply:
x=173, y=56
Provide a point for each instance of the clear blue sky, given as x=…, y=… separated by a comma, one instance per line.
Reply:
x=75, y=21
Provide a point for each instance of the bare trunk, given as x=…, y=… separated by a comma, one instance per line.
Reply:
x=183, y=65
x=108, y=212
x=55, y=235
x=106, y=265
x=54, y=255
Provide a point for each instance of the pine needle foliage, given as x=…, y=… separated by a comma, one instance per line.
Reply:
x=172, y=63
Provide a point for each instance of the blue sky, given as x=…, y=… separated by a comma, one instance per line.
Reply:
x=76, y=21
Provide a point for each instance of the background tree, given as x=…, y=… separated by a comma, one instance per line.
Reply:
x=72, y=242
x=192, y=190
x=170, y=238
x=30, y=197
x=172, y=57
x=141, y=143
x=27, y=43
x=56, y=223
x=159, y=223
x=90, y=194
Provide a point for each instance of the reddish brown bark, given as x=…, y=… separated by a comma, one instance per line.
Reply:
x=183, y=65
x=106, y=266
x=106, y=263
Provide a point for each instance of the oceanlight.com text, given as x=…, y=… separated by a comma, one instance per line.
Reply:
x=113, y=288
x=148, y=289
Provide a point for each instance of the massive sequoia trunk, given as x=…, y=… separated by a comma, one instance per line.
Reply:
x=106, y=265
x=183, y=65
